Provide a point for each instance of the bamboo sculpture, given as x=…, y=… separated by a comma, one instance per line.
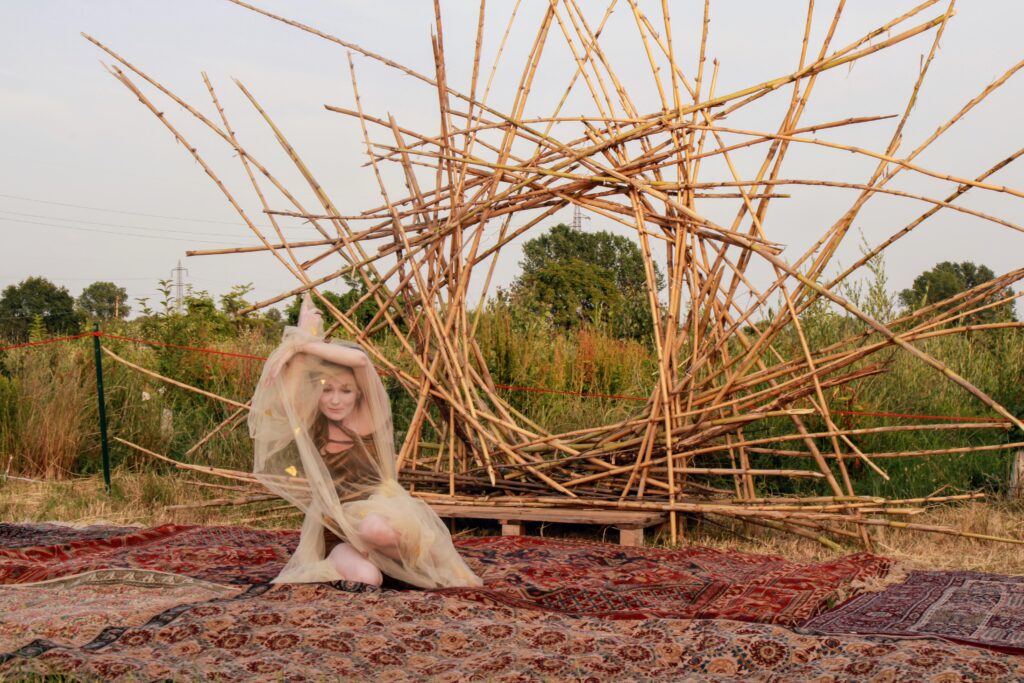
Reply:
x=641, y=167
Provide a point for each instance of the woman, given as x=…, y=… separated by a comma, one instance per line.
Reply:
x=321, y=425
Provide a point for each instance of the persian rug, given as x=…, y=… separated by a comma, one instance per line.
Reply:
x=74, y=610
x=217, y=554
x=985, y=610
x=610, y=581
x=26, y=535
x=326, y=631
x=570, y=577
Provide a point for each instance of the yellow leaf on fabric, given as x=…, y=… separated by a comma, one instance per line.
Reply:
x=291, y=470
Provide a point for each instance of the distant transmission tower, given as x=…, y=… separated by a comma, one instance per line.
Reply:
x=179, y=285
x=578, y=217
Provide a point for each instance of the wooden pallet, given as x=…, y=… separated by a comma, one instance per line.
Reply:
x=631, y=524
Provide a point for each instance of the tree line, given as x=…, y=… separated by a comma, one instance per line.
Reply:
x=568, y=278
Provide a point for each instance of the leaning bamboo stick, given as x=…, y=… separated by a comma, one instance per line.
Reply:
x=960, y=450
x=223, y=502
x=174, y=382
x=213, y=471
x=216, y=430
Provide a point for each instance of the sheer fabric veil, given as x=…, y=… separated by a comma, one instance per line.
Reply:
x=338, y=491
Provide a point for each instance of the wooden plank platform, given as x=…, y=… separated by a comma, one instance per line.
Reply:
x=631, y=524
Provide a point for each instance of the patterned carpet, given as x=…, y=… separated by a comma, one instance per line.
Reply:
x=608, y=581
x=74, y=610
x=178, y=602
x=986, y=610
x=218, y=554
x=575, y=578
x=310, y=632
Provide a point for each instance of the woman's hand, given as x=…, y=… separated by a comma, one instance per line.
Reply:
x=310, y=326
x=311, y=320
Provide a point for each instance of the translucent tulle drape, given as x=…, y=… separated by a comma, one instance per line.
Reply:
x=338, y=490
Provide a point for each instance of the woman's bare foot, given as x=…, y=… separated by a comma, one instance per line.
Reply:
x=352, y=565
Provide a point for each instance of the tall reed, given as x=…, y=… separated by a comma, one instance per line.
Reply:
x=47, y=409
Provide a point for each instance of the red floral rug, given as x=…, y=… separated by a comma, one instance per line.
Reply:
x=609, y=581
x=218, y=554
x=321, y=631
x=986, y=610
x=590, y=615
x=574, y=578
x=76, y=609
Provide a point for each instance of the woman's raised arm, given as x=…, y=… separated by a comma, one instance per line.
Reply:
x=335, y=353
x=332, y=353
x=311, y=323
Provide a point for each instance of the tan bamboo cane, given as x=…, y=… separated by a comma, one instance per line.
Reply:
x=174, y=382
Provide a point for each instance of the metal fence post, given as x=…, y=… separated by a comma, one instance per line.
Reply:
x=102, y=404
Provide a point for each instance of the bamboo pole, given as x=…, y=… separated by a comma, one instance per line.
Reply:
x=726, y=367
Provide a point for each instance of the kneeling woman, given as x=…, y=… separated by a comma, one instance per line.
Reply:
x=321, y=426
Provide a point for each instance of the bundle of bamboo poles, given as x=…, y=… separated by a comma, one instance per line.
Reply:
x=723, y=371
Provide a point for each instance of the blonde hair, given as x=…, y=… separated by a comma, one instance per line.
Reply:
x=320, y=428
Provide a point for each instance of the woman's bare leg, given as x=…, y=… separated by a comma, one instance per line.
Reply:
x=374, y=530
x=352, y=566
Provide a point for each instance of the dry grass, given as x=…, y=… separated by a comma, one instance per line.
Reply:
x=915, y=549
x=135, y=499
x=933, y=551
x=50, y=410
x=142, y=499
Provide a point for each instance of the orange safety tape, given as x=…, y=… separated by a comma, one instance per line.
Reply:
x=185, y=348
x=46, y=341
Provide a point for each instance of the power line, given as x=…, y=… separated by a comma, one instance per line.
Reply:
x=116, y=225
x=255, y=288
x=134, y=227
x=74, y=279
x=123, y=234
x=127, y=213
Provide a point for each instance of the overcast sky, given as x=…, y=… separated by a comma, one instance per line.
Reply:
x=92, y=187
